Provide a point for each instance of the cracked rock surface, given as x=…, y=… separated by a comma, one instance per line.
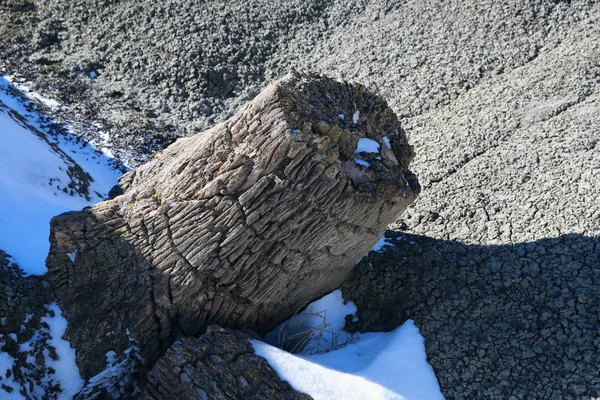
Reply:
x=220, y=364
x=241, y=225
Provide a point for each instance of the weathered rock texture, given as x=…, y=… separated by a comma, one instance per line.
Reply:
x=241, y=225
x=219, y=365
x=517, y=321
x=188, y=65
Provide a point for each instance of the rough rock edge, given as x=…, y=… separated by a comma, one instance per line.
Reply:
x=221, y=364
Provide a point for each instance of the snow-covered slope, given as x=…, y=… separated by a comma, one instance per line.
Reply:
x=376, y=365
x=43, y=172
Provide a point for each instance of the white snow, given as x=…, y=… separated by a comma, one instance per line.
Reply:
x=327, y=313
x=356, y=117
x=32, y=176
x=6, y=363
x=367, y=146
x=405, y=181
x=67, y=373
x=374, y=366
x=72, y=255
x=50, y=103
x=342, y=116
x=117, y=374
x=362, y=162
x=384, y=241
x=387, y=142
x=381, y=243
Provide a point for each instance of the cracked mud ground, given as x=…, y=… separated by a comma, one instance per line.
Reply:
x=501, y=101
x=500, y=269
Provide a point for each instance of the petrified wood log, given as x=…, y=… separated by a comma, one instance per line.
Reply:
x=239, y=226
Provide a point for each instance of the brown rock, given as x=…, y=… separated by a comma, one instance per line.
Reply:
x=221, y=364
x=240, y=225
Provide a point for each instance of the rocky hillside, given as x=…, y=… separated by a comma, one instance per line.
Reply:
x=497, y=259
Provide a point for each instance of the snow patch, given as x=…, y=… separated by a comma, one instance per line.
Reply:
x=116, y=378
x=50, y=103
x=342, y=116
x=7, y=377
x=383, y=242
x=356, y=117
x=316, y=329
x=405, y=181
x=34, y=183
x=72, y=255
x=362, y=162
x=366, y=145
x=387, y=142
x=58, y=370
x=66, y=367
x=390, y=366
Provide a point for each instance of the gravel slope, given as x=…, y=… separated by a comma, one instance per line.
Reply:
x=176, y=67
x=500, y=100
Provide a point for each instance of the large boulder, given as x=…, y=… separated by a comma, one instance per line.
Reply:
x=240, y=226
x=221, y=364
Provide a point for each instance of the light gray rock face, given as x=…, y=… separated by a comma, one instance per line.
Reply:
x=508, y=225
x=219, y=365
x=520, y=156
x=241, y=225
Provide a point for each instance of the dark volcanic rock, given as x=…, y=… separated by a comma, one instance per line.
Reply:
x=221, y=364
x=516, y=321
x=241, y=225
